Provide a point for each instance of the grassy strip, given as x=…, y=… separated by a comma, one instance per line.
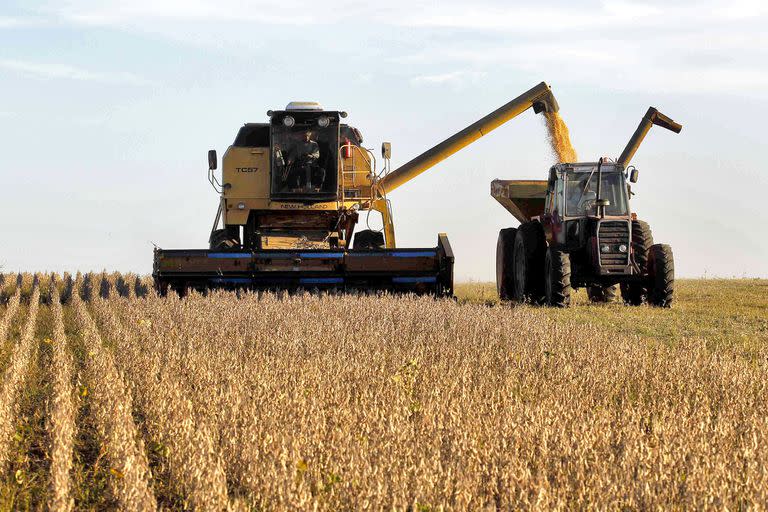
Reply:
x=720, y=312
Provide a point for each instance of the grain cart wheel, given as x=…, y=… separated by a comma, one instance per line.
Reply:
x=603, y=294
x=557, y=278
x=661, y=276
x=530, y=248
x=635, y=293
x=222, y=239
x=505, y=263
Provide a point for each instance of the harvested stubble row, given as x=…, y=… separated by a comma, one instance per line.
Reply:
x=307, y=402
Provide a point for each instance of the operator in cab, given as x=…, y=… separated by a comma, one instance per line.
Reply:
x=303, y=159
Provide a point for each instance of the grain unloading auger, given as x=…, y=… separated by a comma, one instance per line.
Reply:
x=291, y=193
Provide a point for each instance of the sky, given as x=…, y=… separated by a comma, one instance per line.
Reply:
x=108, y=108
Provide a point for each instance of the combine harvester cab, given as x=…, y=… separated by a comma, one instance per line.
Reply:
x=291, y=193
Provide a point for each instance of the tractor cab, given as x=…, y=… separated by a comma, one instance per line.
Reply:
x=587, y=214
x=582, y=185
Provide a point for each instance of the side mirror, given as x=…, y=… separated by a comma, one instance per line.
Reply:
x=633, y=175
x=386, y=150
x=212, y=160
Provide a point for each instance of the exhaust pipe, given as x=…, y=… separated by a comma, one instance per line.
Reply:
x=652, y=117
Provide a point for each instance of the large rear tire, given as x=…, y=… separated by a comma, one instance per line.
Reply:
x=505, y=263
x=603, y=294
x=530, y=249
x=557, y=278
x=635, y=293
x=661, y=276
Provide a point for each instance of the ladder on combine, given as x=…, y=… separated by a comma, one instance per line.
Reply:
x=353, y=178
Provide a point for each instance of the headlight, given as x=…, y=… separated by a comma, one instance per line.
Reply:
x=622, y=248
x=323, y=121
x=241, y=206
x=289, y=121
x=605, y=248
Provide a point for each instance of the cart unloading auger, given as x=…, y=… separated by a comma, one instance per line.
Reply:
x=291, y=194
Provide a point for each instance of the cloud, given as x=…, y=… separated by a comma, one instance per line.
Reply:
x=119, y=12
x=684, y=46
x=63, y=71
x=11, y=22
x=454, y=78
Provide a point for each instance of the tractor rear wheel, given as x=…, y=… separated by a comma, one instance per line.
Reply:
x=661, y=276
x=557, y=278
x=505, y=263
x=530, y=249
x=603, y=294
x=222, y=239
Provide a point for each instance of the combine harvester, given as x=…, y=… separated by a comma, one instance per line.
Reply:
x=577, y=230
x=291, y=194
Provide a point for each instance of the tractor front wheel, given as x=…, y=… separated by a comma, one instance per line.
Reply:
x=505, y=263
x=661, y=276
x=557, y=278
x=530, y=248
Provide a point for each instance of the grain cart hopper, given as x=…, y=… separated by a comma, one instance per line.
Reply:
x=577, y=230
x=291, y=193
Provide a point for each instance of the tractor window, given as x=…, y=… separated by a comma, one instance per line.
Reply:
x=557, y=199
x=581, y=193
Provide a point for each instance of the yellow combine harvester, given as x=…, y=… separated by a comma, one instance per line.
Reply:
x=292, y=191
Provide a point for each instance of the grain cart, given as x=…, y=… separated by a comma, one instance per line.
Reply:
x=291, y=193
x=577, y=230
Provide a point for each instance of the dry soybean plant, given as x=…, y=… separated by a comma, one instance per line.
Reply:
x=307, y=402
x=62, y=412
x=15, y=377
x=114, y=418
x=194, y=469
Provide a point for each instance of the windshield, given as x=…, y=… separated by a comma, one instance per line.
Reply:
x=581, y=193
x=304, y=154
